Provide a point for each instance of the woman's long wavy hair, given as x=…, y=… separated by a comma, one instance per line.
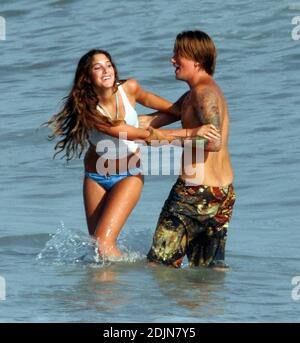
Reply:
x=79, y=112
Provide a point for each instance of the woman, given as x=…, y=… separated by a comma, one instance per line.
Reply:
x=100, y=109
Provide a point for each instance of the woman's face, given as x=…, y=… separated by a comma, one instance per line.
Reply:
x=102, y=73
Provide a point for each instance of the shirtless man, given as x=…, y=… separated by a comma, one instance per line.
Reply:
x=195, y=217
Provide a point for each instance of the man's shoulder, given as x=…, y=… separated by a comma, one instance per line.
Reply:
x=183, y=96
x=206, y=92
x=205, y=89
x=179, y=102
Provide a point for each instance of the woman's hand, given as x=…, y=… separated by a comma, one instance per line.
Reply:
x=144, y=121
x=157, y=137
x=208, y=131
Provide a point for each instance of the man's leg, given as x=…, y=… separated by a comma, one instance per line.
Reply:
x=207, y=249
x=207, y=246
x=170, y=237
x=169, y=241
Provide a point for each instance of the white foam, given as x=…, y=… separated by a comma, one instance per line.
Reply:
x=68, y=246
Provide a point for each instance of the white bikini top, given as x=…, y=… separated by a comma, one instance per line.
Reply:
x=110, y=147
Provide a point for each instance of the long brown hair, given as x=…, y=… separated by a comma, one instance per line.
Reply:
x=79, y=112
x=199, y=47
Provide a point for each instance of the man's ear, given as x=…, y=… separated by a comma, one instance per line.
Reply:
x=197, y=65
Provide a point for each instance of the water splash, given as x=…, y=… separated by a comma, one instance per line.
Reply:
x=69, y=246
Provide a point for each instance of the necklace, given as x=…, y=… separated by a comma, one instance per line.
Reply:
x=106, y=112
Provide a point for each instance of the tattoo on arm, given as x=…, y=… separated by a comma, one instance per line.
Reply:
x=207, y=110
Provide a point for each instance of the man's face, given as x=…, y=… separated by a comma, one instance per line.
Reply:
x=184, y=68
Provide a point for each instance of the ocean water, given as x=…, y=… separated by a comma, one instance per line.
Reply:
x=47, y=260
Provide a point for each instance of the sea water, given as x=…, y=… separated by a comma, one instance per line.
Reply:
x=48, y=261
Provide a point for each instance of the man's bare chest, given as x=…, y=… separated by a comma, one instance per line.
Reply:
x=189, y=117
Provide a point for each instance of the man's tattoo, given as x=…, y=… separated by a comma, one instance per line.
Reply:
x=207, y=110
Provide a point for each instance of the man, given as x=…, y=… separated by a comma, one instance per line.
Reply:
x=195, y=217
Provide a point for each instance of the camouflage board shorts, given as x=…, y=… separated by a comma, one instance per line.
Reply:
x=193, y=222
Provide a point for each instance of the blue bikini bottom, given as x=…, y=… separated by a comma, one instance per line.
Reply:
x=108, y=181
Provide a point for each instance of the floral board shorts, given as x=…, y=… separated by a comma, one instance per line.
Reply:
x=193, y=222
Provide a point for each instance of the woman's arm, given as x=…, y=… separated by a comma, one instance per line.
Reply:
x=124, y=131
x=164, y=136
x=202, y=136
x=156, y=120
x=207, y=131
x=159, y=119
x=148, y=99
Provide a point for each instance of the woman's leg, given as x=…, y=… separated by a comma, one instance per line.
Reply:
x=119, y=203
x=94, y=200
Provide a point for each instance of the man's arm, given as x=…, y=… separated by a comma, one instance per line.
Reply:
x=206, y=106
x=205, y=103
